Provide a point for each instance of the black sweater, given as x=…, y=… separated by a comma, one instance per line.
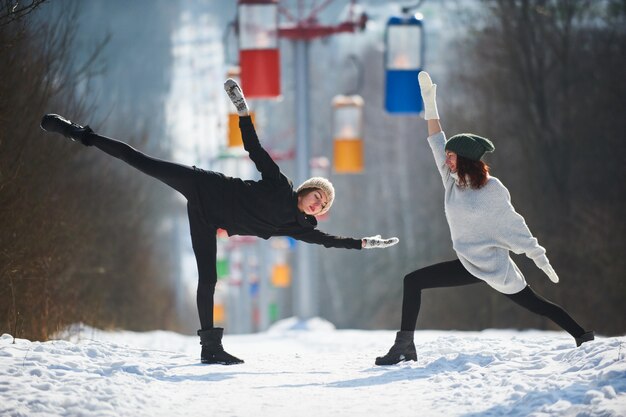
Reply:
x=268, y=207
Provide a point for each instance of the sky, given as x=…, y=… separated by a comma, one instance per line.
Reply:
x=311, y=369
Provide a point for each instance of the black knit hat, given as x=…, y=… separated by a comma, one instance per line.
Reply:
x=469, y=146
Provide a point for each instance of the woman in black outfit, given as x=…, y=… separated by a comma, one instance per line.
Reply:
x=265, y=208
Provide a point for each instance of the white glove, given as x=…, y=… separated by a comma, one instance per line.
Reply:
x=550, y=273
x=373, y=242
x=429, y=94
x=236, y=96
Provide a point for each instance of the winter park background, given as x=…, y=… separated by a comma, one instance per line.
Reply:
x=97, y=277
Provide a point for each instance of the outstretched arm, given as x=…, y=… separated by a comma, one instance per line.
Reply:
x=326, y=240
x=262, y=160
x=515, y=235
x=436, y=137
x=330, y=241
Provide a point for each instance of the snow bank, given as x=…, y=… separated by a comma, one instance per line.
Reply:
x=319, y=372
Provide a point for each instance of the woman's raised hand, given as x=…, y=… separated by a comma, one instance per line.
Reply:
x=429, y=96
x=376, y=242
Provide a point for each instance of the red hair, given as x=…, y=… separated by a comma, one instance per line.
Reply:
x=472, y=174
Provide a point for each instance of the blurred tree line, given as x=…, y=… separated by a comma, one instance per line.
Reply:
x=544, y=80
x=81, y=239
x=84, y=238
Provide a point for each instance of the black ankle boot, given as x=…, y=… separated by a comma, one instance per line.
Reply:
x=585, y=337
x=212, y=350
x=403, y=349
x=57, y=124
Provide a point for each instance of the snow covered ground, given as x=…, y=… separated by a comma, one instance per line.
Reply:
x=316, y=371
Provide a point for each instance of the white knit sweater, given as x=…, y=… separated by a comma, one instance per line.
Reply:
x=484, y=227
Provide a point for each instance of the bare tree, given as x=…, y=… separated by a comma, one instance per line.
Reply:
x=13, y=10
x=77, y=242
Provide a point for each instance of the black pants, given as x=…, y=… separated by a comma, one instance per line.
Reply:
x=181, y=178
x=453, y=274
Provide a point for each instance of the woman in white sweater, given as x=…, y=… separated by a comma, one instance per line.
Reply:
x=484, y=227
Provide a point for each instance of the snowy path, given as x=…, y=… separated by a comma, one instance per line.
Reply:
x=315, y=373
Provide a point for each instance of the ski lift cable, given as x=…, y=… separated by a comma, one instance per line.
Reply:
x=285, y=12
x=230, y=26
x=406, y=9
x=354, y=59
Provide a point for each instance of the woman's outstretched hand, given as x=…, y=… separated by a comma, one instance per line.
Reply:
x=429, y=96
x=376, y=242
x=551, y=273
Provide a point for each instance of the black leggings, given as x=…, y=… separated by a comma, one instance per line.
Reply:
x=453, y=274
x=181, y=178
